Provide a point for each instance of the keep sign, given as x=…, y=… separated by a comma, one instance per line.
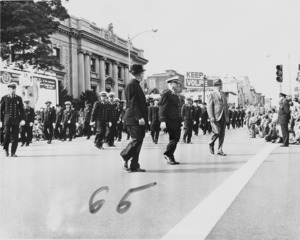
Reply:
x=194, y=79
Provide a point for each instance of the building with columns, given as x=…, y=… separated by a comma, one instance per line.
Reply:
x=94, y=58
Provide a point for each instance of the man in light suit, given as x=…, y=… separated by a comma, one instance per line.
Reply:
x=218, y=115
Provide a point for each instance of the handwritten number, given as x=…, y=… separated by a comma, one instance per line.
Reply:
x=95, y=207
x=123, y=205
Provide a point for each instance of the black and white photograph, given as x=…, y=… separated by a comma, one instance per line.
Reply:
x=150, y=119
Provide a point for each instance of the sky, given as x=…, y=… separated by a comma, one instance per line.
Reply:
x=216, y=37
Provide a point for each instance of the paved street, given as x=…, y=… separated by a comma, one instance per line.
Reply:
x=45, y=192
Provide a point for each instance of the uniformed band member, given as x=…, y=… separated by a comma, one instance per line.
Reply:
x=26, y=129
x=58, y=122
x=170, y=118
x=135, y=119
x=113, y=117
x=11, y=117
x=153, y=116
x=188, y=116
x=198, y=116
x=68, y=122
x=87, y=113
x=48, y=119
x=284, y=118
x=99, y=117
x=218, y=115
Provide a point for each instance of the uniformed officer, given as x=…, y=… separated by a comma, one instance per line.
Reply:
x=113, y=117
x=48, y=119
x=188, y=116
x=284, y=116
x=26, y=130
x=198, y=115
x=12, y=115
x=118, y=134
x=68, y=122
x=154, y=122
x=87, y=112
x=58, y=122
x=170, y=118
x=99, y=117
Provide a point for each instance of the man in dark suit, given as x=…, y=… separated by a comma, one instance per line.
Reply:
x=217, y=110
x=230, y=118
x=68, y=121
x=170, y=118
x=198, y=116
x=233, y=117
x=284, y=118
x=135, y=119
x=26, y=130
x=58, y=122
x=113, y=117
x=99, y=117
x=154, y=121
x=12, y=115
x=188, y=116
x=87, y=113
x=48, y=119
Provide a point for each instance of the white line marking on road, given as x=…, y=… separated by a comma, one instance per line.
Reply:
x=200, y=221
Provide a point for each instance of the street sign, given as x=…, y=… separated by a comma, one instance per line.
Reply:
x=194, y=80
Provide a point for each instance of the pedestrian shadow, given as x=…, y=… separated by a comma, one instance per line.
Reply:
x=212, y=163
x=194, y=170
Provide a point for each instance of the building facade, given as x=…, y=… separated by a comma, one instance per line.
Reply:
x=94, y=58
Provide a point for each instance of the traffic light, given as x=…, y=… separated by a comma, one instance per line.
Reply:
x=279, y=73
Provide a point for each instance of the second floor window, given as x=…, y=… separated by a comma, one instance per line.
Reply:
x=119, y=72
x=56, y=52
x=93, y=67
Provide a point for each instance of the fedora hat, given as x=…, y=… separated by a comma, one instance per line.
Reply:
x=136, y=69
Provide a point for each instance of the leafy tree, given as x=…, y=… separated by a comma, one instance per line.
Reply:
x=89, y=96
x=26, y=26
x=63, y=94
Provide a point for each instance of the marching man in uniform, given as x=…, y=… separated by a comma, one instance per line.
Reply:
x=170, y=118
x=154, y=121
x=68, y=121
x=113, y=117
x=48, y=118
x=188, y=116
x=99, y=117
x=12, y=115
x=26, y=130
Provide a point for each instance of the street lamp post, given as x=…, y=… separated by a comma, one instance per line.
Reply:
x=130, y=44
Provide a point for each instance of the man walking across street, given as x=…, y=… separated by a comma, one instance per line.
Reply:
x=58, y=122
x=284, y=118
x=113, y=117
x=26, y=129
x=12, y=115
x=218, y=115
x=87, y=113
x=135, y=119
x=48, y=119
x=170, y=118
x=198, y=115
x=68, y=121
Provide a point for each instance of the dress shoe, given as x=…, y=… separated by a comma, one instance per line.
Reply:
x=221, y=154
x=137, y=170
x=70, y=140
x=170, y=161
x=49, y=141
x=7, y=154
x=125, y=165
x=63, y=140
x=22, y=144
x=282, y=145
x=211, y=148
x=27, y=144
x=13, y=155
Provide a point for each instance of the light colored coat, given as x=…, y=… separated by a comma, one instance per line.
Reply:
x=216, y=106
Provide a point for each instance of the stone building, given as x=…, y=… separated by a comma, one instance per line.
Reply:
x=156, y=83
x=94, y=58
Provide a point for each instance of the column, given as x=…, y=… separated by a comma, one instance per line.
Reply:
x=74, y=73
x=81, y=81
x=110, y=70
x=87, y=70
x=122, y=73
x=97, y=68
x=115, y=77
x=102, y=73
x=126, y=80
